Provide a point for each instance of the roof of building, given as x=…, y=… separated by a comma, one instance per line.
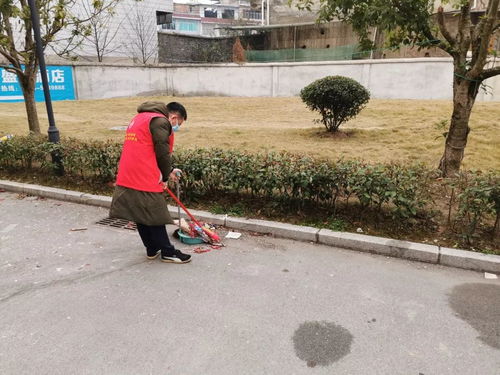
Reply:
x=197, y=2
x=265, y=27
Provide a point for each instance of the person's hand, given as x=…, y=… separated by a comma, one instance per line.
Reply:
x=175, y=174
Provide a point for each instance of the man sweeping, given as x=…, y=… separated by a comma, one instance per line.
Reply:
x=143, y=172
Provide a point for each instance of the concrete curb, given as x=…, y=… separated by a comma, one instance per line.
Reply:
x=199, y=215
x=371, y=244
x=379, y=245
x=469, y=260
x=293, y=232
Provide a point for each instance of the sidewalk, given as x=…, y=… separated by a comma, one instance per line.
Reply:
x=87, y=301
x=376, y=245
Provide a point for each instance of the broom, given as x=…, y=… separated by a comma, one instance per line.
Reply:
x=205, y=233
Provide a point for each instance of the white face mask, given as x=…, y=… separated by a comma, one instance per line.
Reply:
x=176, y=128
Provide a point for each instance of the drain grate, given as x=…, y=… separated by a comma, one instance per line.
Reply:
x=117, y=223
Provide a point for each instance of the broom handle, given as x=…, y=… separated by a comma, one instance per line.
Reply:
x=182, y=206
x=178, y=207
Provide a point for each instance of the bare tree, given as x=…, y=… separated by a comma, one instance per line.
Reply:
x=143, y=39
x=101, y=33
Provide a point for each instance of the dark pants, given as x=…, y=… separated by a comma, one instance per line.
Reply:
x=155, y=238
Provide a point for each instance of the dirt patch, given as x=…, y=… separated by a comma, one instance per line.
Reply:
x=339, y=134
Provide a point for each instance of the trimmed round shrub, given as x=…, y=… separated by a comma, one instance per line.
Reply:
x=336, y=98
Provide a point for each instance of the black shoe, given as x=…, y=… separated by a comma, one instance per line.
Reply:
x=177, y=257
x=152, y=254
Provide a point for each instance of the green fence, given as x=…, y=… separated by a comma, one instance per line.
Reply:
x=348, y=52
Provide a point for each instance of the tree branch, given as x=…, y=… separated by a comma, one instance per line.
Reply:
x=488, y=73
x=13, y=68
x=439, y=43
x=483, y=38
x=464, y=37
x=11, y=45
x=480, y=24
x=443, y=29
x=53, y=26
x=96, y=12
x=7, y=55
x=28, y=35
x=69, y=46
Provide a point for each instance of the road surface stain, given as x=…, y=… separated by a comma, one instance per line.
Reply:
x=321, y=343
x=479, y=305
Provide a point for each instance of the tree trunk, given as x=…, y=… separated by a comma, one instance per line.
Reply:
x=28, y=85
x=464, y=95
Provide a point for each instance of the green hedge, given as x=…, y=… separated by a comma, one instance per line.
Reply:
x=93, y=160
x=405, y=192
x=25, y=153
x=301, y=180
x=474, y=200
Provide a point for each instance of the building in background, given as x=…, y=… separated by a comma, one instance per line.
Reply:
x=134, y=29
x=129, y=33
x=282, y=13
x=206, y=17
x=289, y=39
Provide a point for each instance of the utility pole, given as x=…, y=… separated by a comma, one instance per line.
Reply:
x=52, y=131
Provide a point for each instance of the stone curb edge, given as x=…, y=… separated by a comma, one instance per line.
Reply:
x=352, y=241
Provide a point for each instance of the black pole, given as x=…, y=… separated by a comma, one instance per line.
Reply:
x=53, y=131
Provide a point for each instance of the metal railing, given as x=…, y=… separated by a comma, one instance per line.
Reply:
x=251, y=15
x=167, y=26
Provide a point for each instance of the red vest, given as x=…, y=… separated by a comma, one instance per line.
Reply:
x=138, y=168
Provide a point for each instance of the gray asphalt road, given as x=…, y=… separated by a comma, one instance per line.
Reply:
x=89, y=302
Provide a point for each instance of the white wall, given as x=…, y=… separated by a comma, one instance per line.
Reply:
x=424, y=78
x=104, y=81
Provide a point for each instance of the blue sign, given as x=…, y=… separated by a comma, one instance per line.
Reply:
x=60, y=85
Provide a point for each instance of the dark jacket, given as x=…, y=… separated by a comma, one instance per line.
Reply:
x=140, y=206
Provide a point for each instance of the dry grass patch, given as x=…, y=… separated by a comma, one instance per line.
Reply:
x=385, y=131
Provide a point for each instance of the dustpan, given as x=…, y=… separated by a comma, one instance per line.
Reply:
x=187, y=239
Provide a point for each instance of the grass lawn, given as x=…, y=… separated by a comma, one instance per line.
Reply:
x=385, y=131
